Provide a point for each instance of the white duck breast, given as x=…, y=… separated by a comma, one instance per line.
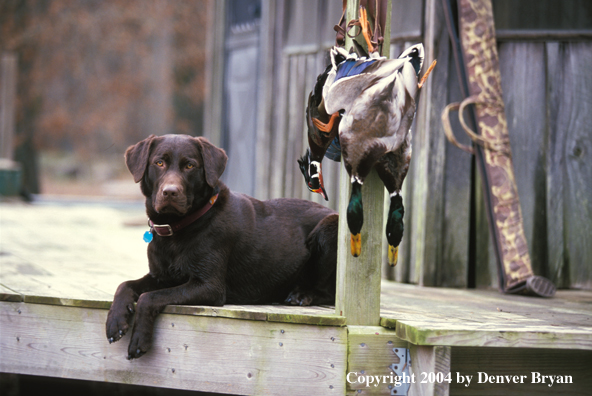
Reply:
x=378, y=103
x=340, y=94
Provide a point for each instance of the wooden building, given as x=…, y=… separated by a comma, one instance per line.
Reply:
x=265, y=59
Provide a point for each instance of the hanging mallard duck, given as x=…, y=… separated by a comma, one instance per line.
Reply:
x=368, y=103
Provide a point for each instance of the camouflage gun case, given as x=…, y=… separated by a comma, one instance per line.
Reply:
x=475, y=50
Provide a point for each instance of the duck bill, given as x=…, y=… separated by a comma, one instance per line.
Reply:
x=393, y=255
x=356, y=244
x=321, y=189
x=322, y=192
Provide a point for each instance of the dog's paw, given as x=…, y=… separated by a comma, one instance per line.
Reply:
x=118, y=322
x=139, y=344
x=299, y=297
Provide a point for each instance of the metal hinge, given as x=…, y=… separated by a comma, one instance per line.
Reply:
x=401, y=370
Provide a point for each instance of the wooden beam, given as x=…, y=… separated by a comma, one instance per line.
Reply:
x=543, y=35
x=428, y=360
x=371, y=353
x=196, y=353
x=358, y=279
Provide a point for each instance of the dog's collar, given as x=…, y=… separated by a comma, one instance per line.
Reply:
x=166, y=230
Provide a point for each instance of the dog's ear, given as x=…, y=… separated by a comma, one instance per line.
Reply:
x=136, y=157
x=214, y=160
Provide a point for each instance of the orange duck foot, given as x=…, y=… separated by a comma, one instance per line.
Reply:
x=365, y=24
x=328, y=126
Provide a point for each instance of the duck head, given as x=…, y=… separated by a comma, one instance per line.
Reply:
x=355, y=217
x=415, y=54
x=313, y=175
x=394, y=228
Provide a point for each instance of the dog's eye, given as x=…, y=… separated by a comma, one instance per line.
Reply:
x=160, y=163
x=189, y=166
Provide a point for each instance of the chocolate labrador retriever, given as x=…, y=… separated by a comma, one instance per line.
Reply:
x=211, y=246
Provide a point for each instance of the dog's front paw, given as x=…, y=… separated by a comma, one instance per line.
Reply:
x=118, y=321
x=299, y=297
x=140, y=343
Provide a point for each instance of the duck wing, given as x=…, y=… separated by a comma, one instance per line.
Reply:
x=318, y=140
x=334, y=150
x=353, y=77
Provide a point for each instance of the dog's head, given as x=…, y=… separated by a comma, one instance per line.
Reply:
x=178, y=173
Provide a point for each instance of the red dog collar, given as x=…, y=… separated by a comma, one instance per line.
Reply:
x=166, y=230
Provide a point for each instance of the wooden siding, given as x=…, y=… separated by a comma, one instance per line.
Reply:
x=548, y=98
x=547, y=95
x=548, y=104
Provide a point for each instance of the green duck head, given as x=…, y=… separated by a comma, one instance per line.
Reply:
x=355, y=217
x=394, y=227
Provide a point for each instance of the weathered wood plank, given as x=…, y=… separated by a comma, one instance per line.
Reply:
x=520, y=362
x=281, y=122
x=433, y=316
x=424, y=361
x=214, y=72
x=429, y=155
x=525, y=96
x=569, y=211
x=573, y=127
x=486, y=274
x=292, y=178
x=83, y=241
x=321, y=316
x=263, y=164
x=207, y=354
x=7, y=294
x=454, y=334
x=453, y=266
x=370, y=352
x=555, y=170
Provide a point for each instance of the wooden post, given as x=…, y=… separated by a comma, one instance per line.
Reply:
x=213, y=119
x=429, y=146
x=7, y=104
x=429, y=359
x=358, y=279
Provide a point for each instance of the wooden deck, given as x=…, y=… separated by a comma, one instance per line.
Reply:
x=60, y=265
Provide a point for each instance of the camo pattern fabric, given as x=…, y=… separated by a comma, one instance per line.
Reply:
x=481, y=59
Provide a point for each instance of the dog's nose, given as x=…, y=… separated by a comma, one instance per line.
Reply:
x=170, y=190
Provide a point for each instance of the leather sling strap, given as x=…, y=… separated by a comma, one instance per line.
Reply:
x=377, y=12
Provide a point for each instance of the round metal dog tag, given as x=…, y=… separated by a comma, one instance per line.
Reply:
x=148, y=237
